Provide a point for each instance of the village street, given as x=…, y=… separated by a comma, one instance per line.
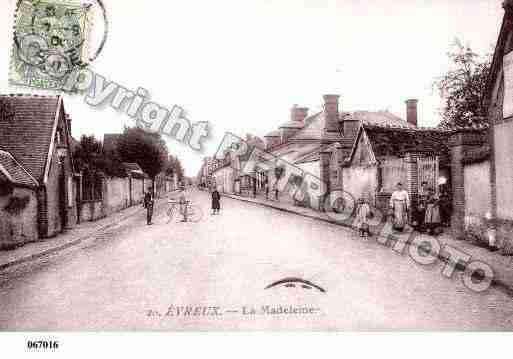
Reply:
x=128, y=277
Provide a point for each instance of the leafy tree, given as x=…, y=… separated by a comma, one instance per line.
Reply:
x=174, y=166
x=89, y=156
x=147, y=149
x=463, y=86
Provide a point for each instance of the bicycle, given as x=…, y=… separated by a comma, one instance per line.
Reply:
x=190, y=212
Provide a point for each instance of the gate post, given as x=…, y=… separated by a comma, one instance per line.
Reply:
x=460, y=141
x=412, y=178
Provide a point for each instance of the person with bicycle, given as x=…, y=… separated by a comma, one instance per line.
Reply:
x=182, y=200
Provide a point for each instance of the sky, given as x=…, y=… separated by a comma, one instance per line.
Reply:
x=241, y=65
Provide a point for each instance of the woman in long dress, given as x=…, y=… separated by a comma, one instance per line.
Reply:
x=432, y=219
x=399, y=204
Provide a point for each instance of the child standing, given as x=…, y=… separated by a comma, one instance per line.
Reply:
x=362, y=217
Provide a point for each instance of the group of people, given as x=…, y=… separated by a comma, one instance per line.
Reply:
x=430, y=214
x=149, y=202
x=275, y=191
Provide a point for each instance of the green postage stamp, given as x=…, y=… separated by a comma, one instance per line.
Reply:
x=50, y=42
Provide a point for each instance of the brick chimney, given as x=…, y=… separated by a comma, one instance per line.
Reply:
x=296, y=123
x=331, y=113
x=411, y=111
x=272, y=139
x=298, y=113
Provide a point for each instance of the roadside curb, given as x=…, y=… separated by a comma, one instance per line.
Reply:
x=498, y=283
x=61, y=247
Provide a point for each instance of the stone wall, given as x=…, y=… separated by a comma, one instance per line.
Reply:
x=461, y=142
x=359, y=181
x=137, y=188
x=504, y=170
x=477, y=191
x=91, y=211
x=22, y=228
x=116, y=194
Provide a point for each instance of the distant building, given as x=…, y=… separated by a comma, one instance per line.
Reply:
x=315, y=144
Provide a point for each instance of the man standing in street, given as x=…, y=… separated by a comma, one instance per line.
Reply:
x=148, y=204
x=216, y=201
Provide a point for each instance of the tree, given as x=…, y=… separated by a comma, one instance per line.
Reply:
x=147, y=149
x=90, y=156
x=174, y=166
x=463, y=87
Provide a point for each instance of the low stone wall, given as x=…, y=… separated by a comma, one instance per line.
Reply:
x=91, y=211
x=21, y=228
x=137, y=187
x=116, y=195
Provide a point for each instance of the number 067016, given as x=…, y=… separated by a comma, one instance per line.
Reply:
x=42, y=344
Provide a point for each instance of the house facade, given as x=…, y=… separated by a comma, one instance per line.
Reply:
x=384, y=156
x=499, y=101
x=39, y=188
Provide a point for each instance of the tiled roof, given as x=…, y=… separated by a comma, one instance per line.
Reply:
x=399, y=141
x=379, y=118
x=132, y=166
x=312, y=130
x=28, y=134
x=293, y=124
x=316, y=155
x=12, y=171
x=314, y=125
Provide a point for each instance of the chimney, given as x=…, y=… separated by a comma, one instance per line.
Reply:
x=331, y=112
x=411, y=111
x=298, y=113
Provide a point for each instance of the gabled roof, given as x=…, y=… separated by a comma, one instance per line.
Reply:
x=393, y=141
x=28, y=134
x=360, y=134
x=12, y=171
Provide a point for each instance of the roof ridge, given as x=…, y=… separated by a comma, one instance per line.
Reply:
x=29, y=95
